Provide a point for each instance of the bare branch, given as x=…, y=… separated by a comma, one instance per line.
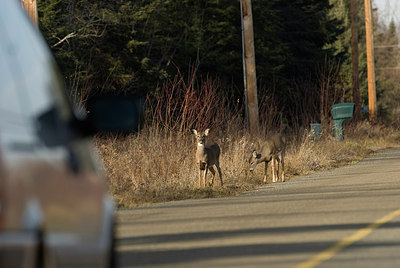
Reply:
x=70, y=35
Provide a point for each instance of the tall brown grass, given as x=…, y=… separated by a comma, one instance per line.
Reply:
x=158, y=164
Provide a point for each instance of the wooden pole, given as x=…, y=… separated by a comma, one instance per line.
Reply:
x=250, y=66
x=30, y=7
x=354, y=59
x=244, y=69
x=370, y=61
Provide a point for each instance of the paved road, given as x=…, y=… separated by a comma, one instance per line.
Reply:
x=348, y=217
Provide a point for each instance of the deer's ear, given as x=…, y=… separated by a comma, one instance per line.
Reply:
x=194, y=131
x=207, y=131
x=254, y=154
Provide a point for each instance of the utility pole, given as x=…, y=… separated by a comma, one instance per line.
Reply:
x=370, y=61
x=250, y=79
x=30, y=7
x=354, y=58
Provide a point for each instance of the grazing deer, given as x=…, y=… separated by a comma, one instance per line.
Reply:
x=207, y=157
x=270, y=150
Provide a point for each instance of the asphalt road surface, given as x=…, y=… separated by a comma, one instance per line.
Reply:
x=347, y=217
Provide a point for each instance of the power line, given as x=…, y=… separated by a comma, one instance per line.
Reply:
x=387, y=46
x=389, y=68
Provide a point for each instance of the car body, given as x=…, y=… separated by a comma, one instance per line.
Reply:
x=55, y=210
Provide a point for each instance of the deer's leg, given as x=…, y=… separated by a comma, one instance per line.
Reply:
x=277, y=167
x=273, y=170
x=283, y=166
x=265, y=172
x=205, y=175
x=220, y=174
x=200, y=177
x=202, y=167
x=213, y=175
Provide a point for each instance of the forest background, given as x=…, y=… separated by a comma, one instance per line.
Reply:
x=136, y=46
x=184, y=57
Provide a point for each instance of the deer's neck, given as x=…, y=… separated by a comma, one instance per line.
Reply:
x=200, y=149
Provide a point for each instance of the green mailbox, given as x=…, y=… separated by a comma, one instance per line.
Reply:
x=340, y=113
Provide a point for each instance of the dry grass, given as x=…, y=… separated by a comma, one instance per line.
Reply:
x=155, y=166
x=158, y=164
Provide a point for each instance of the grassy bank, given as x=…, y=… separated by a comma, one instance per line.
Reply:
x=158, y=165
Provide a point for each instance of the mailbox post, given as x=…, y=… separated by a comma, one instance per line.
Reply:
x=341, y=112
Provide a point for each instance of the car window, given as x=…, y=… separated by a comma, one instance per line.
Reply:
x=29, y=84
x=15, y=127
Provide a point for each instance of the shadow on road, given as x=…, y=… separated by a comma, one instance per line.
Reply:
x=175, y=256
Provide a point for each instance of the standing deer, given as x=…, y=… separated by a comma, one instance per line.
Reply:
x=207, y=157
x=270, y=150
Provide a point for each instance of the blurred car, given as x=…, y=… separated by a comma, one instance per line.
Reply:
x=55, y=210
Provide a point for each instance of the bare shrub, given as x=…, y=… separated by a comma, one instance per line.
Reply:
x=182, y=105
x=158, y=164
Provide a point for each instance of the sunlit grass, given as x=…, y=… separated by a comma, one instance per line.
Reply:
x=158, y=163
x=153, y=166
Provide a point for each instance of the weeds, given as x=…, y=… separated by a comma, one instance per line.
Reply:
x=150, y=167
x=158, y=164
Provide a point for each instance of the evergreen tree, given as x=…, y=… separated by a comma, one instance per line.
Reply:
x=387, y=55
x=134, y=45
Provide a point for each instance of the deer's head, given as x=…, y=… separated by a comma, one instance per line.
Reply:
x=201, y=136
x=254, y=160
